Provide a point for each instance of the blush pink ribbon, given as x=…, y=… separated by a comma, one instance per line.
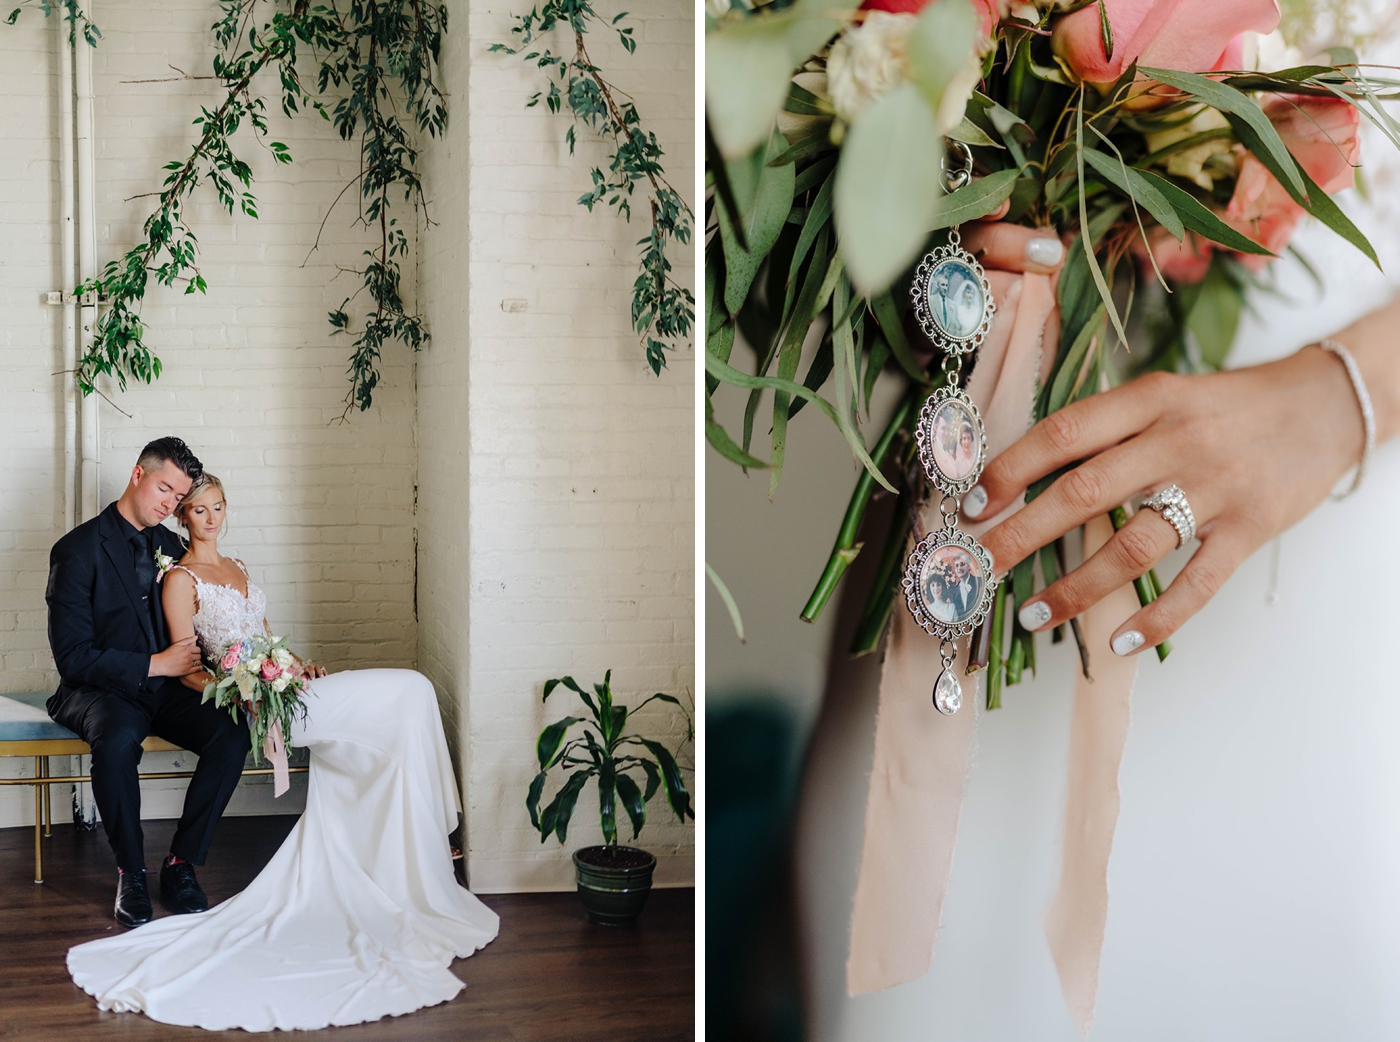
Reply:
x=275, y=749
x=922, y=758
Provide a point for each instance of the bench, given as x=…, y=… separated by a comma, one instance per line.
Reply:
x=26, y=730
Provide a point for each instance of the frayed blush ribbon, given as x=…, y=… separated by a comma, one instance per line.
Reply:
x=275, y=749
x=922, y=758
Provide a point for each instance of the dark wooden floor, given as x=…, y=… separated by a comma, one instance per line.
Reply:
x=550, y=975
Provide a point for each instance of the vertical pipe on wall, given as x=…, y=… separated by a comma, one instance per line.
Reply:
x=87, y=264
x=66, y=281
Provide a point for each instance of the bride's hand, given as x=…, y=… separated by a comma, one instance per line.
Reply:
x=1253, y=449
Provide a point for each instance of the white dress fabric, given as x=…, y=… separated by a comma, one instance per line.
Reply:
x=358, y=915
x=1252, y=879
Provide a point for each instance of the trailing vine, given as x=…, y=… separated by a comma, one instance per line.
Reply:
x=663, y=311
x=379, y=53
x=72, y=13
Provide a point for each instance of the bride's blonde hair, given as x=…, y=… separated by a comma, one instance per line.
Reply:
x=200, y=485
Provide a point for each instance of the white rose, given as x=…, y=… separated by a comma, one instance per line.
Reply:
x=247, y=687
x=282, y=657
x=1190, y=162
x=868, y=61
x=280, y=684
x=255, y=663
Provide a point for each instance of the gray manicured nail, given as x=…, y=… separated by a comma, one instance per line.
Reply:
x=976, y=502
x=1034, y=615
x=1127, y=642
x=1046, y=252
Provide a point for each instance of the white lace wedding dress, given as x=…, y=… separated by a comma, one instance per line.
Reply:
x=358, y=915
x=1252, y=883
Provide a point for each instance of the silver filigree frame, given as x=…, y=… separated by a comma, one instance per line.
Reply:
x=923, y=435
x=914, y=598
x=918, y=293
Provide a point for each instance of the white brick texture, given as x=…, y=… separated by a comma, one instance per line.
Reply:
x=556, y=507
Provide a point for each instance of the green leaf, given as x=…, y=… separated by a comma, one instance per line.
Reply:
x=1105, y=30
x=763, y=194
x=676, y=793
x=887, y=187
x=939, y=45
x=632, y=802
x=550, y=739
x=532, y=801
x=730, y=605
x=1315, y=200
x=1229, y=100
x=1062, y=383
x=1137, y=188
x=818, y=214
x=969, y=133
x=1086, y=241
x=975, y=200
x=607, y=800
x=1216, y=314
x=722, y=443
x=883, y=308
x=728, y=374
x=1202, y=221
x=556, y=816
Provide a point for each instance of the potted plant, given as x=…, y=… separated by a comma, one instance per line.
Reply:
x=613, y=880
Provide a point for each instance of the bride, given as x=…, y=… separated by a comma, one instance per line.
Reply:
x=358, y=915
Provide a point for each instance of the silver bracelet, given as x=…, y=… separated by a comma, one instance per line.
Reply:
x=1368, y=414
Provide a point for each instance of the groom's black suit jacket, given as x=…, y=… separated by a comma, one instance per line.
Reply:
x=103, y=626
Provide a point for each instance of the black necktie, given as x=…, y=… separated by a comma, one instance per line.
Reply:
x=145, y=571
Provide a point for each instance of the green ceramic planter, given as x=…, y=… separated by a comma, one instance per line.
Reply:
x=613, y=883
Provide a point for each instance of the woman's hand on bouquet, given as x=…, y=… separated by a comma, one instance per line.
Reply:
x=313, y=671
x=1253, y=449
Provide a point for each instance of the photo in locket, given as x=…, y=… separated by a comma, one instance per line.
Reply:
x=953, y=434
x=951, y=583
x=956, y=299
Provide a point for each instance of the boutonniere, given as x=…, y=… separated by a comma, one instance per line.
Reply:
x=164, y=562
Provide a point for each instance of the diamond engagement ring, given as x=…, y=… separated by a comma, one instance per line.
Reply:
x=1171, y=503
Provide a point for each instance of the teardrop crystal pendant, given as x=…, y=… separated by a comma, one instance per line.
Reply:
x=947, y=693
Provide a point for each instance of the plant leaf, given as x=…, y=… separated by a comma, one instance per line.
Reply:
x=1229, y=100
x=551, y=737
x=1137, y=188
x=975, y=200
x=1202, y=221
x=763, y=194
x=887, y=187
x=632, y=802
x=676, y=793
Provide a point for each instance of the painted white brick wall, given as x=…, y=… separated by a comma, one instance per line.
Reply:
x=556, y=472
x=322, y=512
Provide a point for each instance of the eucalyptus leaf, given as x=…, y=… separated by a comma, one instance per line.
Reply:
x=1134, y=185
x=722, y=443
x=763, y=194
x=969, y=133
x=887, y=187
x=978, y=199
x=1216, y=314
x=1201, y=220
x=1231, y=101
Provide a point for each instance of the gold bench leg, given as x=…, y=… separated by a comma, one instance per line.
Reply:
x=48, y=800
x=38, y=822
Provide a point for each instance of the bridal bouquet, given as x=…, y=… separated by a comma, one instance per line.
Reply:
x=1170, y=145
x=261, y=675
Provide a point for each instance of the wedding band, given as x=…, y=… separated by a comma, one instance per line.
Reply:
x=1171, y=503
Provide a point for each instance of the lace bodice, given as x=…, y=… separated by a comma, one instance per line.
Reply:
x=224, y=615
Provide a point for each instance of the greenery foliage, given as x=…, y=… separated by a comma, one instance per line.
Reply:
x=785, y=257
x=377, y=57
x=612, y=757
x=663, y=311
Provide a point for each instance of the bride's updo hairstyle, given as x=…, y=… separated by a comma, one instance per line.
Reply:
x=201, y=484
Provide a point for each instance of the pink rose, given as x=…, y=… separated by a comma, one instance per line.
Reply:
x=231, y=657
x=1322, y=135
x=1185, y=261
x=1187, y=35
x=270, y=670
x=989, y=12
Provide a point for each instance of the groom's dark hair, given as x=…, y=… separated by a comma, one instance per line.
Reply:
x=171, y=450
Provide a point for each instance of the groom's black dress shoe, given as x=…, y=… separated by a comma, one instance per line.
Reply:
x=180, y=889
x=133, y=902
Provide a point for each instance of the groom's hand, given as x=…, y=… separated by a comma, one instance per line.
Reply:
x=180, y=658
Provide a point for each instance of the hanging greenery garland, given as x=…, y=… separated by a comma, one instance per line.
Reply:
x=663, y=311
x=382, y=54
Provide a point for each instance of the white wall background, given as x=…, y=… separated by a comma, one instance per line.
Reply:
x=556, y=472
x=526, y=578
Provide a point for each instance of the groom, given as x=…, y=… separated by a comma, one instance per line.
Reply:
x=119, y=678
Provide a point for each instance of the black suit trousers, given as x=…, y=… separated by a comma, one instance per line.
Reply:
x=115, y=725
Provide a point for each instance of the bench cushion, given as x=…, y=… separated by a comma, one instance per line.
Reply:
x=23, y=718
